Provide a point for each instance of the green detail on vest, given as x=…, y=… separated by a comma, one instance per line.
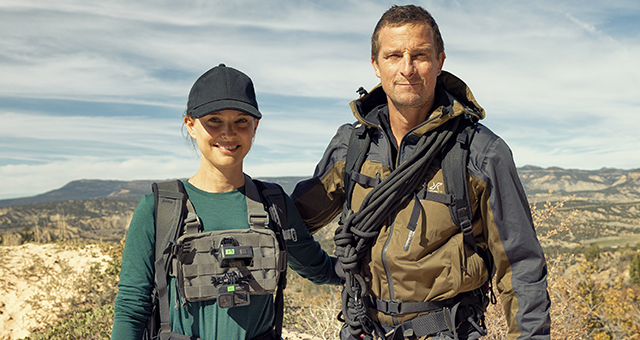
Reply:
x=220, y=265
x=228, y=257
x=205, y=262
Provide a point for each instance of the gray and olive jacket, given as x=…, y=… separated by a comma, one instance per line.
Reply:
x=437, y=264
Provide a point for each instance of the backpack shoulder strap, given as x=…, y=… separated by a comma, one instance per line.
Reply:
x=258, y=218
x=357, y=150
x=277, y=205
x=170, y=205
x=454, y=171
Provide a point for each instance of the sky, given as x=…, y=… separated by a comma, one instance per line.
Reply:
x=97, y=89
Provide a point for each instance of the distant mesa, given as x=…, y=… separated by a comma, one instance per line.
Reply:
x=87, y=189
x=602, y=184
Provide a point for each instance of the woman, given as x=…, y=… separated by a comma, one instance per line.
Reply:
x=222, y=118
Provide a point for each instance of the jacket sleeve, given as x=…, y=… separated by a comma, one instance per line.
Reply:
x=320, y=198
x=133, y=303
x=306, y=256
x=521, y=269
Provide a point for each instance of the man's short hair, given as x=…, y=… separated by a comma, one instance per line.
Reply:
x=398, y=16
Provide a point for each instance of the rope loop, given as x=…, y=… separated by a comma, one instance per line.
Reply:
x=358, y=230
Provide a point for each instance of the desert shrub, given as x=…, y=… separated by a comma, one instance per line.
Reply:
x=10, y=239
x=88, y=313
x=545, y=221
x=312, y=309
x=634, y=269
x=582, y=307
x=583, y=304
x=81, y=324
x=592, y=255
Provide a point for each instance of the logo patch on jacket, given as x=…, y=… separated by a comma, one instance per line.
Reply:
x=436, y=187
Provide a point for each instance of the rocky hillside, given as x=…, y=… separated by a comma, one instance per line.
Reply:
x=94, y=219
x=36, y=282
x=40, y=284
x=115, y=190
x=606, y=204
x=85, y=190
x=84, y=209
x=610, y=185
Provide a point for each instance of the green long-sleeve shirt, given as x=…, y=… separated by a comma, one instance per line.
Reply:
x=217, y=211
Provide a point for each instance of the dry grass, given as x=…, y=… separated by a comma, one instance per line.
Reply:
x=40, y=285
x=588, y=301
x=591, y=299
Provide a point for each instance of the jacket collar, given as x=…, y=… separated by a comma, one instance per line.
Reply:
x=453, y=98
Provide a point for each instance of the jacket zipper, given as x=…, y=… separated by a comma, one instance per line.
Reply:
x=387, y=271
x=385, y=248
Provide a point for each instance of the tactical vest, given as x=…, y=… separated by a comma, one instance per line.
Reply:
x=224, y=265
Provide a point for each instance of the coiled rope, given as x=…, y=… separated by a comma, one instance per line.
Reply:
x=358, y=230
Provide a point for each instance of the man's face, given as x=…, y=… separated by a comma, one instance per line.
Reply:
x=408, y=66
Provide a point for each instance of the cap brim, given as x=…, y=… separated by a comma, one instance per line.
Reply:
x=225, y=104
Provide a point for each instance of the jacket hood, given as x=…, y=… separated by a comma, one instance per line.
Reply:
x=453, y=98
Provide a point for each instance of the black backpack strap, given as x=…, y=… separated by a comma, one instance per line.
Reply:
x=277, y=205
x=357, y=150
x=170, y=214
x=454, y=171
x=170, y=199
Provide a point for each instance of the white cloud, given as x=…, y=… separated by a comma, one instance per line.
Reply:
x=558, y=88
x=114, y=49
x=161, y=135
x=60, y=149
x=559, y=80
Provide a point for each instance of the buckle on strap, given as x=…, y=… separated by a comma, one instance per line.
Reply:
x=467, y=227
x=389, y=306
x=394, y=307
x=425, y=325
x=259, y=220
x=192, y=223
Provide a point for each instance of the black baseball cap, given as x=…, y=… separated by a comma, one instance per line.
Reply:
x=222, y=88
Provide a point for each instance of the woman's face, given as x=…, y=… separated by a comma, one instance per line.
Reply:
x=224, y=137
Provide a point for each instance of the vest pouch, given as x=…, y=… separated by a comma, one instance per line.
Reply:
x=229, y=265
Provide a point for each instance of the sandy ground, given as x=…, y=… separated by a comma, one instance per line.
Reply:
x=36, y=279
x=39, y=273
x=297, y=336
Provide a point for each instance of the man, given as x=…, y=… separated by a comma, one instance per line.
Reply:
x=418, y=257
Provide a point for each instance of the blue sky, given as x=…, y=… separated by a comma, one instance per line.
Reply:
x=96, y=90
